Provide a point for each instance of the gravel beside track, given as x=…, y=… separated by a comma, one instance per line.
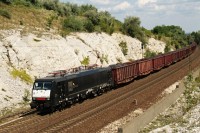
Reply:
x=93, y=114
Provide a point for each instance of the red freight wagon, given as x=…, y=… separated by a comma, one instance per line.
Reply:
x=158, y=62
x=188, y=49
x=123, y=73
x=193, y=47
x=168, y=59
x=175, y=56
x=181, y=54
x=145, y=66
x=184, y=52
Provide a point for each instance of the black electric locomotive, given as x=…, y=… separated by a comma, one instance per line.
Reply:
x=57, y=91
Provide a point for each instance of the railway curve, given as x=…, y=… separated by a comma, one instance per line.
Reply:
x=93, y=114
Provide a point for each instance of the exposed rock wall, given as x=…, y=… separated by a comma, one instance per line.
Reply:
x=40, y=54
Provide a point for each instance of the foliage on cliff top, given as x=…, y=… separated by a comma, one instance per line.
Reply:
x=63, y=18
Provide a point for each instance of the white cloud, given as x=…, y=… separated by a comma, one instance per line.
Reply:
x=142, y=3
x=102, y=2
x=122, y=6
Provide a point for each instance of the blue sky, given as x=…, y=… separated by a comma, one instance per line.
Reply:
x=184, y=13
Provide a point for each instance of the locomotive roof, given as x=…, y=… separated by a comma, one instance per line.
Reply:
x=71, y=75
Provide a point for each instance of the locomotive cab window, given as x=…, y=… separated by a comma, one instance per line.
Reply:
x=70, y=86
x=42, y=85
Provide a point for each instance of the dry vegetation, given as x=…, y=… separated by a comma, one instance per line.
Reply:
x=28, y=19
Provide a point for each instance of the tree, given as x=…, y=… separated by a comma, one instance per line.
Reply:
x=85, y=8
x=75, y=9
x=106, y=22
x=89, y=26
x=34, y=2
x=196, y=36
x=7, y=1
x=73, y=24
x=132, y=28
x=93, y=16
x=175, y=34
x=50, y=5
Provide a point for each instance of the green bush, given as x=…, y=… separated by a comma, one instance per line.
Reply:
x=85, y=61
x=167, y=48
x=148, y=33
x=50, y=5
x=149, y=54
x=93, y=16
x=89, y=26
x=22, y=75
x=123, y=47
x=23, y=2
x=197, y=79
x=26, y=96
x=7, y=1
x=104, y=58
x=5, y=14
x=50, y=21
x=191, y=97
x=73, y=24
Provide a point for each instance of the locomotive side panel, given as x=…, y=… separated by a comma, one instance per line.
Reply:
x=90, y=82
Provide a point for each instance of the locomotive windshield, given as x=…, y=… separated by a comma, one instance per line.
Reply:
x=42, y=85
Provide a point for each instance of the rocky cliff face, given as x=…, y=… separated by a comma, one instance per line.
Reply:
x=39, y=54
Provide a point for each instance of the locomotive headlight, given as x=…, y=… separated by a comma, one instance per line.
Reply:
x=48, y=98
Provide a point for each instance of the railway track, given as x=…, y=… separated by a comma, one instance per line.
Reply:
x=81, y=118
x=65, y=126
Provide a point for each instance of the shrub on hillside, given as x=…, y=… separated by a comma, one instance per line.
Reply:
x=73, y=24
x=26, y=96
x=85, y=61
x=85, y=8
x=5, y=14
x=22, y=75
x=89, y=26
x=50, y=4
x=93, y=16
x=7, y=1
x=167, y=48
x=123, y=47
x=149, y=54
x=50, y=21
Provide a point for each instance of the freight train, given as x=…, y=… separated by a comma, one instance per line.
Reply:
x=65, y=87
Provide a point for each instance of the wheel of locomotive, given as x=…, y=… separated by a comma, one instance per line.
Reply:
x=82, y=97
x=52, y=109
x=99, y=91
x=64, y=104
x=61, y=106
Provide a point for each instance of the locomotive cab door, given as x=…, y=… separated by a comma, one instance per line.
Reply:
x=59, y=93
